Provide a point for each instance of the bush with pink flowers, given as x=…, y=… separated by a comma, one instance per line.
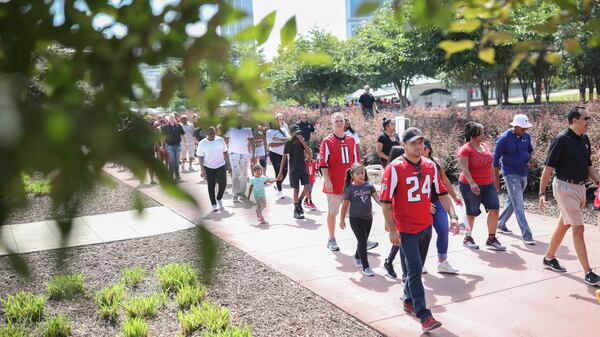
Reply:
x=445, y=127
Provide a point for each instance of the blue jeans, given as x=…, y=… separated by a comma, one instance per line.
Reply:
x=515, y=185
x=173, y=153
x=413, y=288
x=440, y=223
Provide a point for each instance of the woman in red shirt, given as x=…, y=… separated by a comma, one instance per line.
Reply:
x=477, y=184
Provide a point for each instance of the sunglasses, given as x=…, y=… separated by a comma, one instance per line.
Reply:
x=586, y=118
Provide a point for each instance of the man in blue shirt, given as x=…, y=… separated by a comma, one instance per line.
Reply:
x=513, y=152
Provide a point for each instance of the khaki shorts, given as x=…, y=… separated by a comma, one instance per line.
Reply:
x=571, y=201
x=333, y=203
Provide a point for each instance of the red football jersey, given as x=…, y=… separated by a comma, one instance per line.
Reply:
x=408, y=187
x=338, y=155
x=311, y=169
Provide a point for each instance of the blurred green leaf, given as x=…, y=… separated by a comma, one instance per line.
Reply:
x=466, y=26
x=58, y=126
x=453, y=47
x=208, y=250
x=572, y=46
x=593, y=25
x=488, y=55
x=168, y=87
x=367, y=8
x=570, y=5
x=315, y=59
x=499, y=38
x=594, y=41
x=264, y=28
x=288, y=31
x=138, y=201
x=546, y=28
x=552, y=58
x=517, y=59
x=19, y=264
x=528, y=46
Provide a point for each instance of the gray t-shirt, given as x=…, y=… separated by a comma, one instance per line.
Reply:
x=360, y=200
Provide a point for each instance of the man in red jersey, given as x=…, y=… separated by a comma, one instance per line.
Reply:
x=337, y=154
x=406, y=201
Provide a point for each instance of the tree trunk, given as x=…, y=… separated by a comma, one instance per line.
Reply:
x=597, y=80
x=398, y=86
x=591, y=87
x=506, y=89
x=524, y=91
x=484, y=93
x=468, y=116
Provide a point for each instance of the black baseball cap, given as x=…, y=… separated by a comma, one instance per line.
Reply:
x=412, y=134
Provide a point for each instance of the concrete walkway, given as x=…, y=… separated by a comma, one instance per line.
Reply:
x=496, y=294
x=86, y=230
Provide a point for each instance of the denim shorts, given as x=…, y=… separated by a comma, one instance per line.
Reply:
x=487, y=196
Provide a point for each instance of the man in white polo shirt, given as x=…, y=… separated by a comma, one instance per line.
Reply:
x=240, y=141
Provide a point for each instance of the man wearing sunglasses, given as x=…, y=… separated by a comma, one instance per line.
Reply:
x=406, y=201
x=569, y=157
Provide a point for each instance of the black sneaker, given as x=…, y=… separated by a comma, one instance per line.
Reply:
x=554, y=265
x=389, y=268
x=297, y=214
x=300, y=209
x=592, y=278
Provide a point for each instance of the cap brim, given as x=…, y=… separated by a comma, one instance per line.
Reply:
x=521, y=126
x=414, y=138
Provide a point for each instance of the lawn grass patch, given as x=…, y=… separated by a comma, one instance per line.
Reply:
x=212, y=317
x=66, y=286
x=189, y=295
x=135, y=327
x=175, y=275
x=109, y=300
x=133, y=276
x=37, y=187
x=57, y=326
x=145, y=306
x=11, y=330
x=24, y=307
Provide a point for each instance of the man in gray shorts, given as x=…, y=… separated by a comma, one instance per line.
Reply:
x=569, y=156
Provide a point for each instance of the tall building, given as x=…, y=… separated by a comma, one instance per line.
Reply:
x=353, y=20
x=246, y=6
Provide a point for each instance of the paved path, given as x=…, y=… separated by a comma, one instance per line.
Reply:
x=44, y=235
x=496, y=294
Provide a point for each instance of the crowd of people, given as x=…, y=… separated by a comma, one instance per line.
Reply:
x=415, y=195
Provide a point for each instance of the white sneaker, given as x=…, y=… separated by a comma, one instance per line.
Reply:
x=280, y=195
x=424, y=270
x=445, y=268
x=220, y=205
x=236, y=199
x=215, y=208
x=357, y=263
x=368, y=272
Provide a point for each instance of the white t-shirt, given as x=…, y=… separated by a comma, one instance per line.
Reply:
x=189, y=133
x=238, y=140
x=212, y=152
x=276, y=133
x=353, y=135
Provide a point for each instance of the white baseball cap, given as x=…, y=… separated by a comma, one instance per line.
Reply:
x=521, y=121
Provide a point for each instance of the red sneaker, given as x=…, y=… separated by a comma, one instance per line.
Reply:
x=430, y=323
x=311, y=205
x=409, y=308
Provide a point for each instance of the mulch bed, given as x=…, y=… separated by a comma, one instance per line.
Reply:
x=254, y=293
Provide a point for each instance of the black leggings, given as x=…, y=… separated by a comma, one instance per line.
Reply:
x=361, y=229
x=423, y=248
x=213, y=177
x=276, y=161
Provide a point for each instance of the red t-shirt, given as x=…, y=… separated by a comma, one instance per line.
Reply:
x=338, y=155
x=311, y=169
x=408, y=188
x=480, y=164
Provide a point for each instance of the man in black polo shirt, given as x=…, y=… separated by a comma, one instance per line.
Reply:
x=306, y=127
x=367, y=103
x=172, y=145
x=569, y=156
